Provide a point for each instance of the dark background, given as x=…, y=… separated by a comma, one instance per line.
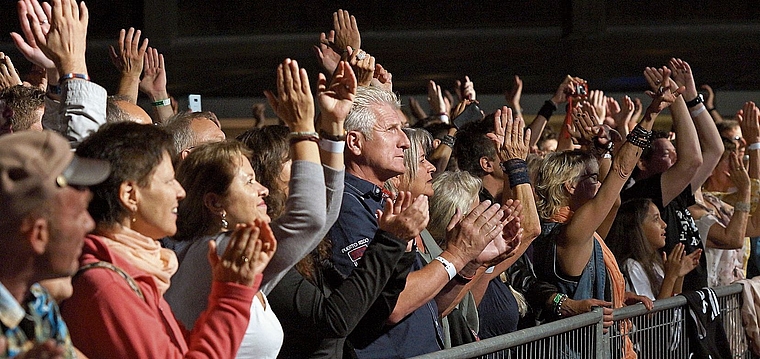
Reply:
x=231, y=48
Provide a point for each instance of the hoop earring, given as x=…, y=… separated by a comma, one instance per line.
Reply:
x=225, y=224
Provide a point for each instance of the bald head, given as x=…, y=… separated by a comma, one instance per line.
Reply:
x=134, y=113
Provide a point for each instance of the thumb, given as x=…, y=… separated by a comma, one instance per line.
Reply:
x=454, y=220
x=664, y=257
x=213, y=258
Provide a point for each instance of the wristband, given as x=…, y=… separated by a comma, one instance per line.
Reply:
x=517, y=171
x=547, y=109
x=698, y=111
x=72, y=75
x=448, y=140
x=164, y=102
x=336, y=138
x=450, y=269
x=332, y=146
x=294, y=137
x=754, y=146
x=742, y=207
x=711, y=109
x=696, y=101
x=640, y=137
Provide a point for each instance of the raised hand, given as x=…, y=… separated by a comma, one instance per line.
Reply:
x=153, y=82
x=129, y=57
x=667, y=91
x=435, y=99
x=504, y=246
x=31, y=12
x=673, y=260
x=250, y=249
x=382, y=78
x=363, y=65
x=586, y=123
x=509, y=137
x=8, y=75
x=326, y=56
x=738, y=174
x=681, y=73
x=749, y=120
x=346, y=31
x=513, y=95
x=465, y=90
x=416, y=109
x=467, y=238
x=406, y=217
x=596, y=98
x=689, y=262
x=293, y=103
x=621, y=112
x=66, y=41
x=336, y=98
x=710, y=98
x=566, y=88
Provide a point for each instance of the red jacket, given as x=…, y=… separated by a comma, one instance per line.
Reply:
x=107, y=319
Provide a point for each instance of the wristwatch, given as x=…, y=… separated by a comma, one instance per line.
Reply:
x=696, y=101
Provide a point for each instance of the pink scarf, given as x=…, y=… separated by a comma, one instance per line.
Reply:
x=146, y=254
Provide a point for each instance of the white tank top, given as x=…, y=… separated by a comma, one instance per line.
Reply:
x=264, y=335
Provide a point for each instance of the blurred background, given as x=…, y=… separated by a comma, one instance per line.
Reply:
x=227, y=51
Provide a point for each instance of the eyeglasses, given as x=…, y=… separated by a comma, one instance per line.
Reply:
x=594, y=177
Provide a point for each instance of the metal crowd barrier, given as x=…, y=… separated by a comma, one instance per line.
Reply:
x=660, y=333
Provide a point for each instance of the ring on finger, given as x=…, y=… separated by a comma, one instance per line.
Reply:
x=361, y=55
x=661, y=90
x=43, y=22
x=244, y=259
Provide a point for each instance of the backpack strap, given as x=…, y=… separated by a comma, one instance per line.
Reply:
x=107, y=265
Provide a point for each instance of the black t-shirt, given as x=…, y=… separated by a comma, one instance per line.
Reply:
x=681, y=226
x=498, y=312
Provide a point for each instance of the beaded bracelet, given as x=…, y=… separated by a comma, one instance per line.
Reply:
x=640, y=137
x=448, y=140
x=742, y=207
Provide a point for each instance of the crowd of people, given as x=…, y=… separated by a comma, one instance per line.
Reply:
x=350, y=229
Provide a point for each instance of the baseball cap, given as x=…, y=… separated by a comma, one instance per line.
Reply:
x=33, y=165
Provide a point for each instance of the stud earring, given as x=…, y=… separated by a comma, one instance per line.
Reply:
x=225, y=224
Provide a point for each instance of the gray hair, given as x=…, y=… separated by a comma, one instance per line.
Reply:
x=363, y=115
x=451, y=191
x=179, y=127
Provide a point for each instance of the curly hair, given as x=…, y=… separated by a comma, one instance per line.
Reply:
x=25, y=102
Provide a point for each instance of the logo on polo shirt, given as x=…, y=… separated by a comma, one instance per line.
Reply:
x=356, y=250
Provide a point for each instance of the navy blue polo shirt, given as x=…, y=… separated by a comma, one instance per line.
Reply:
x=418, y=333
x=356, y=224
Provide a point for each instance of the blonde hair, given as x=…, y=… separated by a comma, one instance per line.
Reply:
x=419, y=140
x=363, y=112
x=557, y=169
x=451, y=191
